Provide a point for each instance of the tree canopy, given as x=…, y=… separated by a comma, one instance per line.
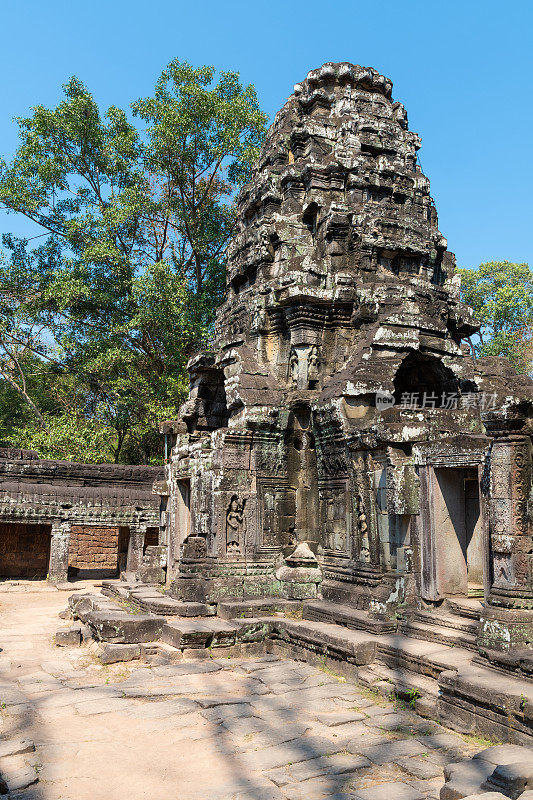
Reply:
x=98, y=320
x=501, y=294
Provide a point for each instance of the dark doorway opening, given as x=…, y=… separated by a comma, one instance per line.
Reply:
x=123, y=545
x=423, y=380
x=151, y=538
x=458, y=531
x=24, y=550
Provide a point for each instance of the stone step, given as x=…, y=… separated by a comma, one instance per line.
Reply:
x=465, y=607
x=431, y=632
x=346, y=616
x=479, y=699
x=325, y=639
x=159, y=653
x=263, y=606
x=446, y=620
x=420, y=656
x=418, y=690
x=167, y=606
x=199, y=634
x=519, y=662
x=115, y=589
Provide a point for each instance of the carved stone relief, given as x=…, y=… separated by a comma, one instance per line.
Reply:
x=235, y=526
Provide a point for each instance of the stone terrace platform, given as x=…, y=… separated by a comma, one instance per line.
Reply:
x=200, y=728
x=446, y=682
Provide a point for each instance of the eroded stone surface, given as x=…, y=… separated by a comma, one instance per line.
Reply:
x=57, y=516
x=219, y=728
x=338, y=438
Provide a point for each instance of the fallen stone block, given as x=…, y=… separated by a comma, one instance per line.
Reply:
x=82, y=605
x=68, y=637
x=114, y=653
x=86, y=633
x=506, y=769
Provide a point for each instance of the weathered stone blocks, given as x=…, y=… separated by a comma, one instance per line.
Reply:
x=502, y=770
x=121, y=627
x=68, y=636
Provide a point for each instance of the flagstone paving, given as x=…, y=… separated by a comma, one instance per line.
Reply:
x=219, y=729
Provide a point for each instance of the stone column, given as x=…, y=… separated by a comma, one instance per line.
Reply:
x=59, y=551
x=507, y=622
x=136, y=546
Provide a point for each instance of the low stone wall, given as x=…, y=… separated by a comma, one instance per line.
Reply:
x=90, y=512
x=94, y=547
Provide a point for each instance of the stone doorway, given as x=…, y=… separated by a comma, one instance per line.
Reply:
x=458, y=531
x=24, y=550
x=123, y=545
x=183, y=510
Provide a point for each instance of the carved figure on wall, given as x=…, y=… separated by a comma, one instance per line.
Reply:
x=362, y=526
x=235, y=524
x=258, y=322
x=313, y=364
x=294, y=366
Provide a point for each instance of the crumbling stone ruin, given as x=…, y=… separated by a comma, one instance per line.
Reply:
x=339, y=442
x=345, y=485
x=57, y=516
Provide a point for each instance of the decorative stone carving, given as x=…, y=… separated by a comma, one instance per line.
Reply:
x=294, y=367
x=362, y=529
x=337, y=397
x=313, y=366
x=235, y=526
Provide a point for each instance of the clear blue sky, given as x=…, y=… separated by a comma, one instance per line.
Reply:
x=462, y=69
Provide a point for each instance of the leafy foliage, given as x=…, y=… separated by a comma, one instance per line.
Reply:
x=98, y=321
x=501, y=294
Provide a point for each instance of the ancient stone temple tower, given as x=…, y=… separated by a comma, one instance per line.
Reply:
x=339, y=441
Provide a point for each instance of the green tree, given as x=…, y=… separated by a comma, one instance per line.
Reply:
x=136, y=215
x=501, y=294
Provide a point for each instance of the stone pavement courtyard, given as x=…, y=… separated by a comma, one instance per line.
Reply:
x=257, y=728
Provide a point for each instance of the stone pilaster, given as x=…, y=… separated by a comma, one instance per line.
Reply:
x=59, y=551
x=507, y=622
x=136, y=546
